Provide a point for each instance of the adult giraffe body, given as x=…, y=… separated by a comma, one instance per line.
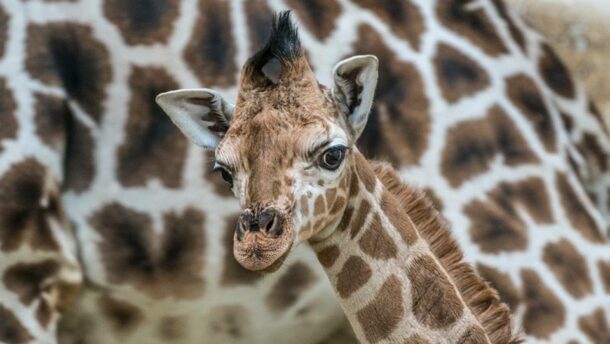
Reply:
x=114, y=202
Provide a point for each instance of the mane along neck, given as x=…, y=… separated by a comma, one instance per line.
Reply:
x=482, y=300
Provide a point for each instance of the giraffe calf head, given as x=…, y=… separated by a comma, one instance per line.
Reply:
x=285, y=148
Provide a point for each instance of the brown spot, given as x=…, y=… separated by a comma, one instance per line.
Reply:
x=502, y=283
x=11, y=330
x=30, y=280
x=526, y=96
x=154, y=147
x=330, y=196
x=402, y=17
x=474, y=335
x=52, y=115
x=593, y=151
x=142, y=21
x=44, y=314
x=436, y=201
x=473, y=24
x=8, y=129
x=569, y=267
x=434, y=300
x=398, y=126
x=304, y=206
x=555, y=73
x=578, y=214
x=376, y=242
x=515, y=32
x=399, y=219
x=366, y=174
x=381, y=316
x=338, y=205
x=353, y=275
x=172, y=328
x=363, y=211
x=165, y=265
x=229, y=320
x=318, y=15
x=471, y=146
x=122, y=315
x=4, y=22
x=354, y=185
x=258, y=16
x=604, y=271
x=544, y=313
x=319, y=207
x=346, y=218
x=328, y=255
x=595, y=326
x=459, y=76
x=22, y=216
x=211, y=50
x=286, y=291
x=68, y=55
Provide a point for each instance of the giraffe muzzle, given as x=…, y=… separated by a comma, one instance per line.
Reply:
x=261, y=239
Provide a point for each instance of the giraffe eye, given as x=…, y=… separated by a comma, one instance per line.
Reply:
x=226, y=175
x=331, y=159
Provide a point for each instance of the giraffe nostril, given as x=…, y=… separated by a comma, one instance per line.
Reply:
x=270, y=222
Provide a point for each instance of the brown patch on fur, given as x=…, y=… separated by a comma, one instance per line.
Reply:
x=593, y=151
x=595, y=326
x=30, y=280
x=258, y=17
x=402, y=17
x=459, y=76
x=211, y=49
x=8, y=129
x=122, y=315
x=398, y=218
x=353, y=275
x=555, y=73
x=22, y=216
x=604, y=272
x=11, y=330
x=474, y=335
x=526, y=96
x=515, y=32
x=304, y=206
x=381, y=316
x=361, y=214
x=354, y=186
x=346, y=218
x=286, y=291
x=143, y=21
x=398, y=126
x=229, y=320
x=503, y=284
x=376, y=242
x=569, y=267
x=319, y=16
x=160, y=265
x=4, y=22
x=52, y=114
x=471, y=146
x=319, y=207
x=154, y=147
x=330, y=195
x=328, y=256
x=482, y=300
x=232, y=272
x=337, y=206
x=433, y=299
x=544, y=313
x=495, y=222
x=472, y=24
x=172, y=328
x=578, y=214
x=366, y=175
x=68, y=55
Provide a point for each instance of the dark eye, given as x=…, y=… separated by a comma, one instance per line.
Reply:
x=332, y=158
x=226, y=175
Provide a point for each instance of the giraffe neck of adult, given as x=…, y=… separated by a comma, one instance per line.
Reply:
x=395, y=282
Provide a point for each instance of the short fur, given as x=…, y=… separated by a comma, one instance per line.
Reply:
x=482, y=300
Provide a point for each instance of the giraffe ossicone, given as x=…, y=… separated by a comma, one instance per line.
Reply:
x=287, y=149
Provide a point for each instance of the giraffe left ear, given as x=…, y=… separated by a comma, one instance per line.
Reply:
x=201, y=114
x=355, y=83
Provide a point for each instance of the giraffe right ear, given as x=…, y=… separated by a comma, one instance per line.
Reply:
x=201, y=114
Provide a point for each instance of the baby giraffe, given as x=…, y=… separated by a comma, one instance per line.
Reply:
x=287, y=150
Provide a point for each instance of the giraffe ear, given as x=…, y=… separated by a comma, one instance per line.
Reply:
x=355, y=82
x=201, y=114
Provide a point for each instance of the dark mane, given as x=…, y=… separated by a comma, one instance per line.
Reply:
x=283, y=44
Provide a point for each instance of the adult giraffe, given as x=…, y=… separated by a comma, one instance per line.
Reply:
x=114, y=191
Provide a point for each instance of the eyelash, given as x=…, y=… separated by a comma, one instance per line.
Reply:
x=227, y=176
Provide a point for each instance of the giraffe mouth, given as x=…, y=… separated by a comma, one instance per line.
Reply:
x=257, y=251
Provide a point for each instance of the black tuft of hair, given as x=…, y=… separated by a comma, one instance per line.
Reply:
x=283, y=44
